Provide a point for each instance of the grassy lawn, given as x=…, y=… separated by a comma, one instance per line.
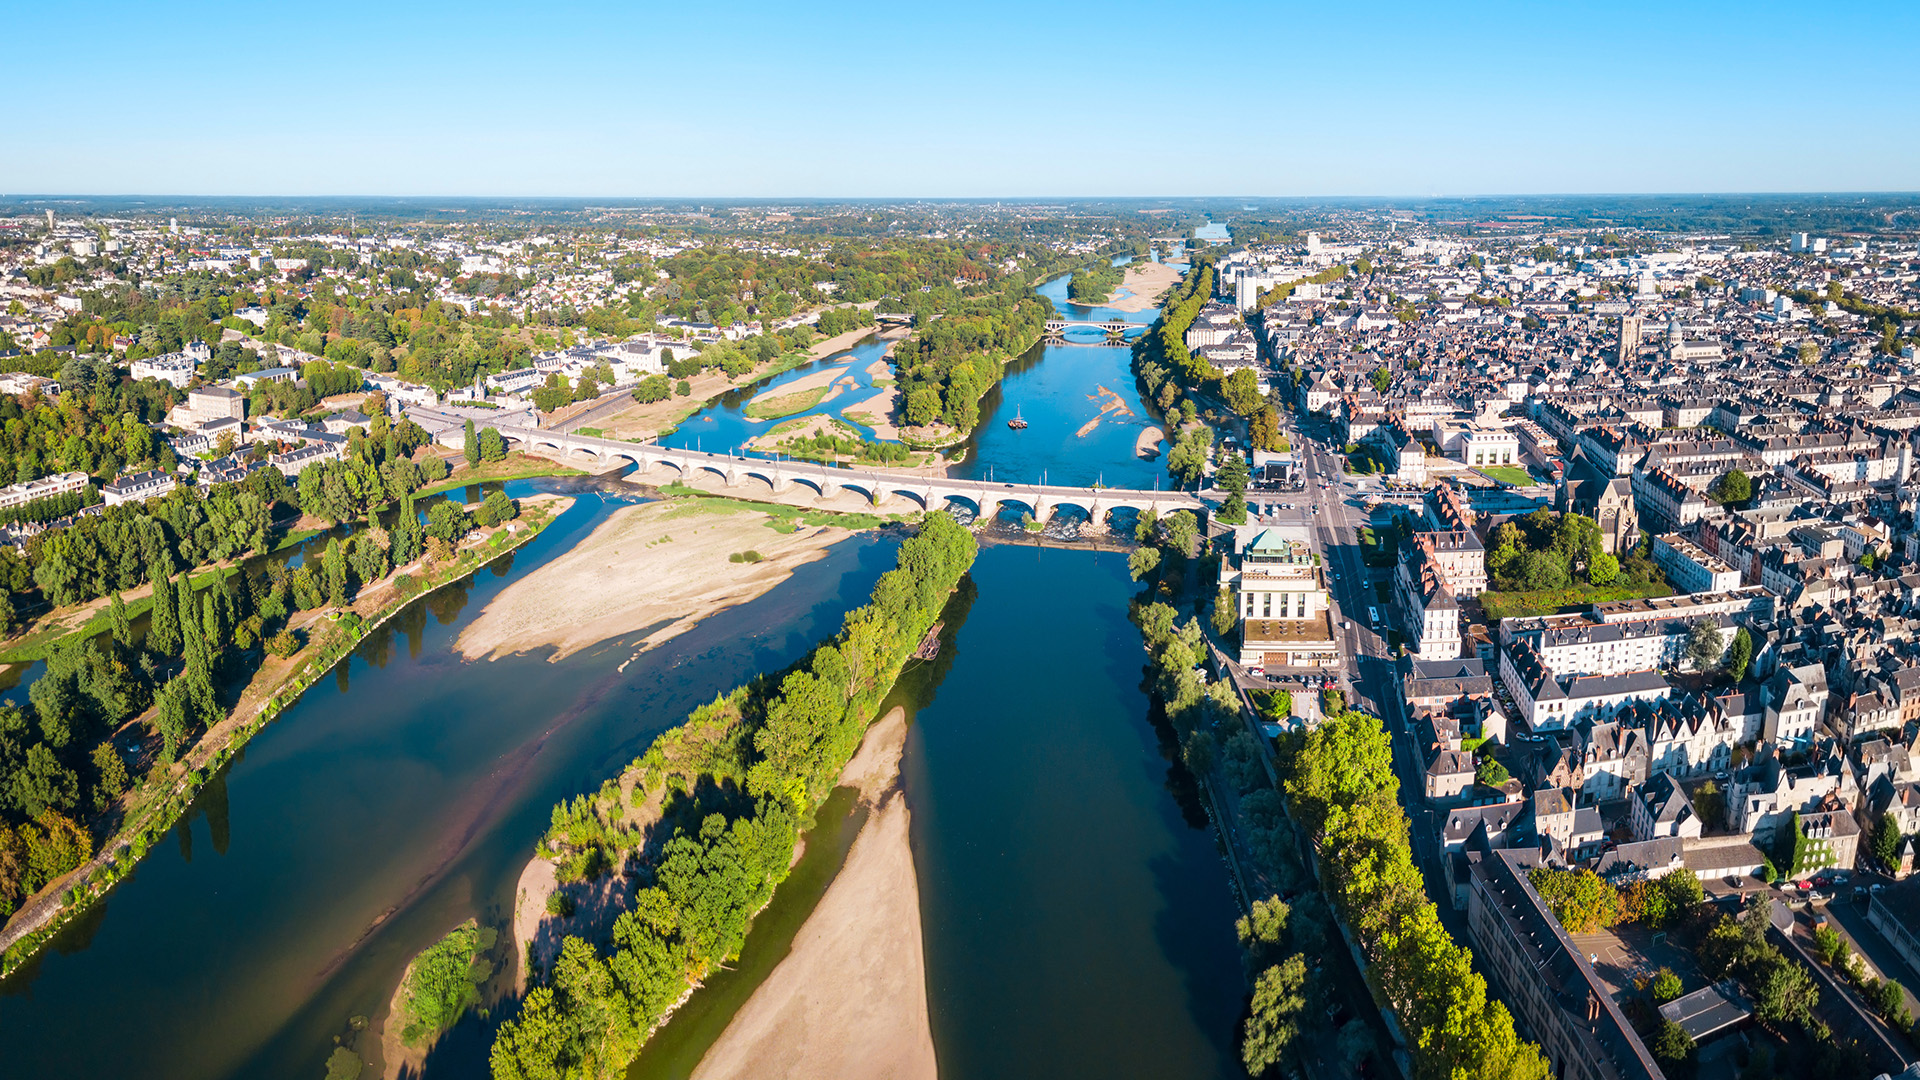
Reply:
x=1506, y=474
x=782, y=518
x=786, y=404
x=1500, y=605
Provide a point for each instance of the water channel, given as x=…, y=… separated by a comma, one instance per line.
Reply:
x=1078, y=919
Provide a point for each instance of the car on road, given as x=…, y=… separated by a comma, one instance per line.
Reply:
x=1734, y=882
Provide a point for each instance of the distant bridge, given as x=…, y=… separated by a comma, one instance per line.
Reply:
x=878, y=485
x=1114, y=328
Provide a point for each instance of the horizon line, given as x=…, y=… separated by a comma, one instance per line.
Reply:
x=1828, y=193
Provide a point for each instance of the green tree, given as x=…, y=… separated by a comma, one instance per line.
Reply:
x=1739, y=654
x=1381, y=378
x=1262, y=930
x=1225, y=614
x=1886, y=841
x=1705, y=644
x=1143, y=561
x=493, y=446
x=1785, y=992
x=110, y=774
x=1146, y=528
x=41, y=783
x=1734, y=487
x=1187, y=461
x=470, y=444
x=1232, y=474
x=653, y=388
x=1241, y=389
x=1263, y=430
x=163, y=624
x=121, y=623
x=1665, y=986
x=1278, y=1000
x=1604, y=569
x=1673, y=1047
x=1580, y=899
x=1183, y=533
x=1491, y=773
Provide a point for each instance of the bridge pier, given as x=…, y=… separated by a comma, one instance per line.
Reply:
x=780, y=482
x=828, y=489
x=733, y=476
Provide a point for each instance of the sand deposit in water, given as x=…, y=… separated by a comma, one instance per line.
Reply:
x=668, y=563
x=812, y=380
x=850, y=1001
x=1110, y=402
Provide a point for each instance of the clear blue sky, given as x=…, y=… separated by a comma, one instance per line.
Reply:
x=722, y=99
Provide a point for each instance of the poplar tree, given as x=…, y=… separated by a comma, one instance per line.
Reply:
x=185, y=609
x=122, y=626
x=471, y=445
x=211, y=623
x=335, y=565
x=163, y=626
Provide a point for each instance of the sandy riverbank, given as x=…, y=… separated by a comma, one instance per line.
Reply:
x=876, y=411
x=1148, y=444
x=660, y=563
x=1141, y=289
x=813, y=380
x=850, y=1000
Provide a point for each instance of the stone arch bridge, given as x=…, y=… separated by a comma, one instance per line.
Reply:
x=878, y=485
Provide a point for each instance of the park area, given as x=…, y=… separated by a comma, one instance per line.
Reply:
x=1510, y=475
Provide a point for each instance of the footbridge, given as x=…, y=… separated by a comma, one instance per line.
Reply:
x=879, y=486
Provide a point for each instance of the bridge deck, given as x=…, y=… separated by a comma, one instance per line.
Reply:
x=921, y=487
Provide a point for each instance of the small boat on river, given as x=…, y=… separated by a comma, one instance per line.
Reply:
x=1018, y=423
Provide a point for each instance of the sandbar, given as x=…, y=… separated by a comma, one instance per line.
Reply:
x=875, y=410
x=812, y=380
x=1148, y=444
x=1140, y=290
x=662, y=563
x=850, y=1000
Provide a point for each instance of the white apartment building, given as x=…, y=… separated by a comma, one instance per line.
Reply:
x=1691, y=569
x=44, y=488
x=1281, y=600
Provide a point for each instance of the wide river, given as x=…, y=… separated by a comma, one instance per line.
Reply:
x=1078, y=918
